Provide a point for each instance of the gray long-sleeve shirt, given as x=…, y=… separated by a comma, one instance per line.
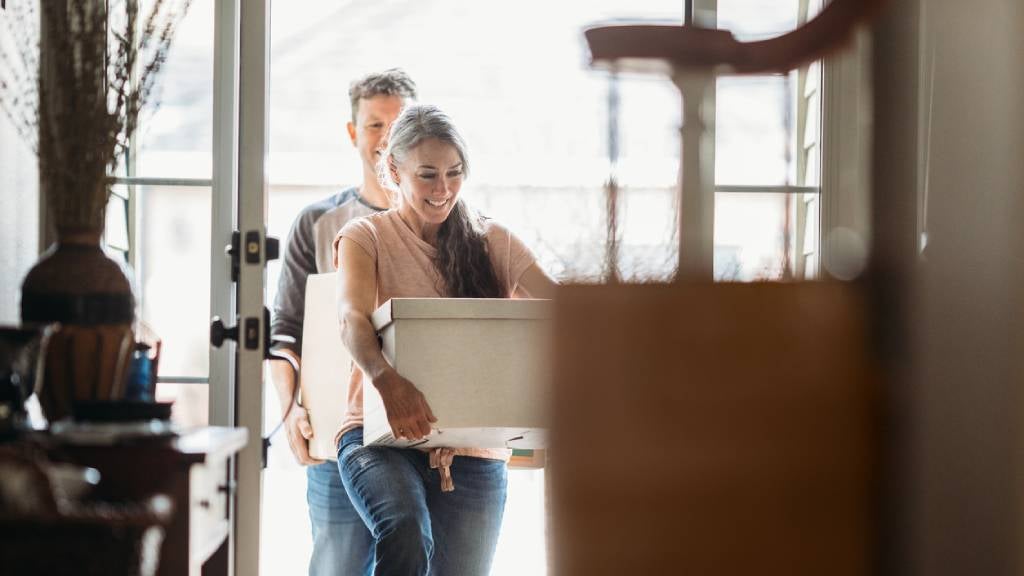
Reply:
x=308, y=251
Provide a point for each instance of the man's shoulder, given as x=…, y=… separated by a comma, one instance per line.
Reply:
x=349, y=207
x=344, y=204
x=313, y=212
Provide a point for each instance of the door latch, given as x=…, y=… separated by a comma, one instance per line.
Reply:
x=251, y=333
x=271, y=247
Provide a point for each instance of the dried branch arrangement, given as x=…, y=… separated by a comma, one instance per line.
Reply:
x=77, y=102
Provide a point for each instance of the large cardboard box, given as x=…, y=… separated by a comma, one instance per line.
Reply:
x=326, y=365
x=481, y=363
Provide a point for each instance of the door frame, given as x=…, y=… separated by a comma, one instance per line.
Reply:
x=241, y=77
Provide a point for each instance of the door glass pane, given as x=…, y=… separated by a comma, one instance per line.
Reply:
x=754, y=139
x=174, y=274
x=175, y=136
x=115, y=231
x=171, y=230
x=762, y=236
x=648, y=237
x=191, y=402
x=649, y=118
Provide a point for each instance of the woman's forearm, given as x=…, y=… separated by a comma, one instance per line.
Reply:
x=407, y=410
x=361, y=340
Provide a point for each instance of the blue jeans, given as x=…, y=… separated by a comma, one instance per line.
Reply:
x=342, y=546
x=418, y=529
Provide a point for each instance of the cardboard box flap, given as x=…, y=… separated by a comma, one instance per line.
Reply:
x=460, y=308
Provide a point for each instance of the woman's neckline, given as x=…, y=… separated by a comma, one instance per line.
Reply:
x=409, y=230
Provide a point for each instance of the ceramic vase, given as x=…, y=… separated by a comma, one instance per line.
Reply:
x=88, y=295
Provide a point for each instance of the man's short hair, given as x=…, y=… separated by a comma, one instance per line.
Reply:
x=391, y=82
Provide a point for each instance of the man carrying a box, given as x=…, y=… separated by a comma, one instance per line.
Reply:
x=342, y=545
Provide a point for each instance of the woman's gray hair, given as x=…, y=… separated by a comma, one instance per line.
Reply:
x=415, y=124
x=463, y=259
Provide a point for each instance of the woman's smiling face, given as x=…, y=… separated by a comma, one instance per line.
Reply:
x=429, y=178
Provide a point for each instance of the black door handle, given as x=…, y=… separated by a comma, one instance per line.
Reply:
x=219, y=332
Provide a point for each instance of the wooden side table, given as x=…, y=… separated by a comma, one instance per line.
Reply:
x=193, y=469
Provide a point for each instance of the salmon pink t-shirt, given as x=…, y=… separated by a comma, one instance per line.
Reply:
x=405, y=269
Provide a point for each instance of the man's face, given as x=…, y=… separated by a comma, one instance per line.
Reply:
x=373, y=121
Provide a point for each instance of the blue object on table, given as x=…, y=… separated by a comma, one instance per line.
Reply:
x=140, y=376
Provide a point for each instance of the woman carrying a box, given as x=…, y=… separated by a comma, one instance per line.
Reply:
x=438, y=512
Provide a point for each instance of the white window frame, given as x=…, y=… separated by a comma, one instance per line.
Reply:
x=846, y=149
x=842, y=171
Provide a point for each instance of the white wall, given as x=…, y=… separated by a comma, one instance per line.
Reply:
x=19, y=218
x=966, y=448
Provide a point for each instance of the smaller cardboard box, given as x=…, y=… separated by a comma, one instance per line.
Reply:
x=481, y=363
x=326, y=365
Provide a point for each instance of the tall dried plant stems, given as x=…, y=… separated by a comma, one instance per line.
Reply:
x=93, y=80
x=73, y=121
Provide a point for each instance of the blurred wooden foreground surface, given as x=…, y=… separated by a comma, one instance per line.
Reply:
x=712, y=429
